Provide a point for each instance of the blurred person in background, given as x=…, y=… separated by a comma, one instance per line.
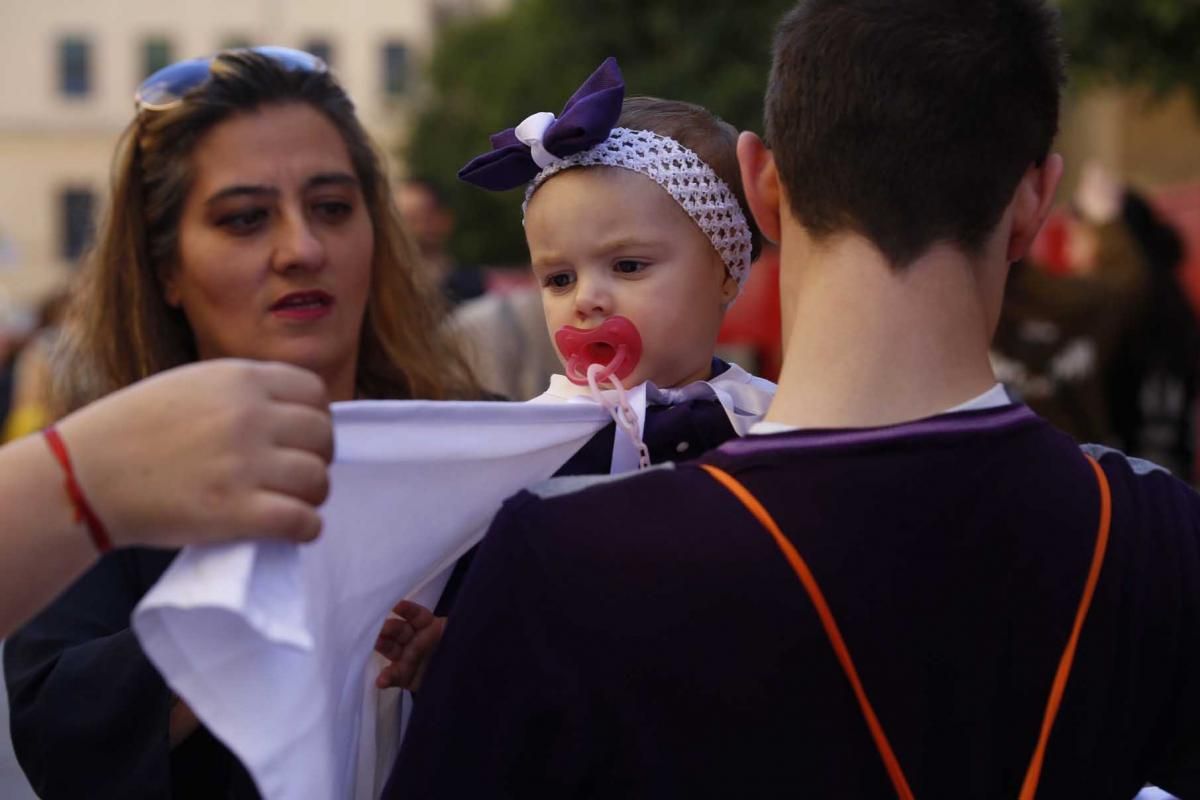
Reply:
x=504, y=337
x=1151, y=385
x=1059, y=335
x=502, y=330
x=33, y=404
x=14, y=330
x=430, y=224
x=250, y=217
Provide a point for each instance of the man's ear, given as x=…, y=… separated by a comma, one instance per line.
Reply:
x=760, y=181
x=1031, y=204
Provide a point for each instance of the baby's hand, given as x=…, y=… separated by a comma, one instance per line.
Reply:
x=408, y=642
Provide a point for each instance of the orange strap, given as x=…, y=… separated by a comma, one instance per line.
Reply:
x=899, y=782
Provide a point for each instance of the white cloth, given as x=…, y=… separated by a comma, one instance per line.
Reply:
x=270, y=643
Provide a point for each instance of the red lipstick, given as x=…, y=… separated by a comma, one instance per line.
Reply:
x=303, y=306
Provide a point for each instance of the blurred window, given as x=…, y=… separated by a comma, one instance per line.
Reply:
x=77, y=207
x=395, y=69
x=75, y=66
x=321, y=48
x=156, y=54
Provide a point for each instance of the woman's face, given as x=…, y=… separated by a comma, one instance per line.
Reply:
x=276, y=244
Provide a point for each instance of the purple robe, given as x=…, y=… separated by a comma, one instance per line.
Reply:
x=644, y=637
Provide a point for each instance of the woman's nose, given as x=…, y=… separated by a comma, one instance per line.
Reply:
x=297, y=246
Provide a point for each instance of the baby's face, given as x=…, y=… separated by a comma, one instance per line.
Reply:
x=607, y=241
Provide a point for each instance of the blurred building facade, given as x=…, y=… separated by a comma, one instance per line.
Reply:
x=72, y=67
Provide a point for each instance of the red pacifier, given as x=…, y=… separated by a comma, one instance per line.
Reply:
x=615, y=344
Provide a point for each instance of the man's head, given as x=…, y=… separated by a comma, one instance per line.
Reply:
x=425, y=214
x=911, y=122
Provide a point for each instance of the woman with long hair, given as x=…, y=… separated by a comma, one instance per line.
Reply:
x=250, y=217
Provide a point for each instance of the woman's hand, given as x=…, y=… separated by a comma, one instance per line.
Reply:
x=208, y=452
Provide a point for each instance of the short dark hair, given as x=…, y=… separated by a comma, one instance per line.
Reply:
x=702, y=132
x=911, y=122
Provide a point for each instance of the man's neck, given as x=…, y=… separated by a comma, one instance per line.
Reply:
x=868, y=345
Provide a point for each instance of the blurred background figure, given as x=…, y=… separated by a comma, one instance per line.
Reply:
x=1105, y=343
x=430, y=223
x=14, y=329
x=505, y=339
x=1058, y=335
x=497, y=313
x=1151, y=385
x=33, y=403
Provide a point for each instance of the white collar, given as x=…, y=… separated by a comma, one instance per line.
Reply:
x=744, y=397
x=742, y=394
x=992, y=398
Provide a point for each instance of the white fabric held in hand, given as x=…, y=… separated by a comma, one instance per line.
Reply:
x=269, y=643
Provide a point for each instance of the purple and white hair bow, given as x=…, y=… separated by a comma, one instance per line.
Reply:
x=520, y=153
x=587, y=135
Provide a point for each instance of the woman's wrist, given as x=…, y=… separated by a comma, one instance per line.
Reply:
x=58, y=515
x=83, y=511
x=94, y=449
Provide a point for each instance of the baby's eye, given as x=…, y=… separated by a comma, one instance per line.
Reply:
x=559, y=280
x=628, y=266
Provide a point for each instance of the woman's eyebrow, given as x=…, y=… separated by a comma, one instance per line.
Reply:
x=239, y=190
x=331, y=179
x=316, y=181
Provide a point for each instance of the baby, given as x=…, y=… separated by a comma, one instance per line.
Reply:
x=640, y=237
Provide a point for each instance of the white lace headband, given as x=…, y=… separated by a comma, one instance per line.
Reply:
x=706, y=198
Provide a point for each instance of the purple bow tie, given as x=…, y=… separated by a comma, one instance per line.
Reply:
x=586, y=120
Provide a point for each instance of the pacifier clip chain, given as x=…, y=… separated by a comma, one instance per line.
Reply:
x=621, y=412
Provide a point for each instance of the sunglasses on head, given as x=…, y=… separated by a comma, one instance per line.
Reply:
x=166, y=87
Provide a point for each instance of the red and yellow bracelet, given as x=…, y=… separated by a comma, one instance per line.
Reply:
x=83, y=509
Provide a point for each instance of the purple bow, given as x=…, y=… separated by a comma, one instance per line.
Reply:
x=586, y=120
